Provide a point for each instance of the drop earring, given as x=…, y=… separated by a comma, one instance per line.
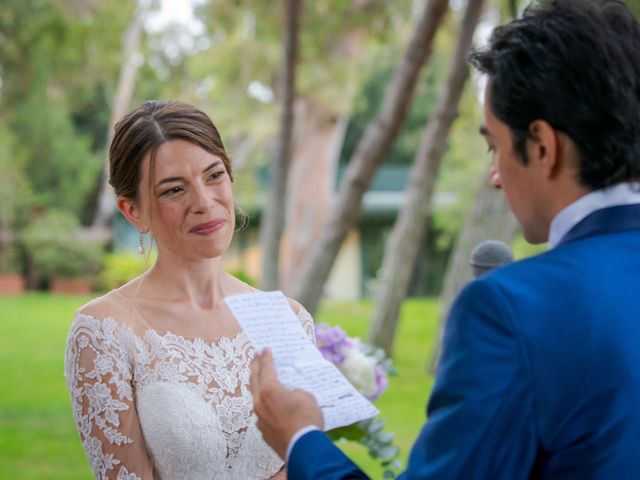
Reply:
x=141, y=244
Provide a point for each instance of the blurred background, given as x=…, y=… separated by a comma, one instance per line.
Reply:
x=352, y=126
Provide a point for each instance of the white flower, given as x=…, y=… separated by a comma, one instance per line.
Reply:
x=360, y=370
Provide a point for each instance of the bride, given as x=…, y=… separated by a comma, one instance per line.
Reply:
x=158, y=370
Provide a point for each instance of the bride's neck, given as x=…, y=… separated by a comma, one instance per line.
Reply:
x=202, y=282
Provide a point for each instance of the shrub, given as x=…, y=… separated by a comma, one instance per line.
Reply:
x=53, y=242
x=120, y=267
x=244, y=277
x=9, y=259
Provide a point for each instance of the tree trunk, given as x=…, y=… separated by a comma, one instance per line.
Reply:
x=488, y=218
x=124, y=91
x=317, y=140
x=409, y=230
x=272, y=222
x=371, y=149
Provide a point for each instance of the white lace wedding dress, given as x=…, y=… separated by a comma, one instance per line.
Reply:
x=150, y=404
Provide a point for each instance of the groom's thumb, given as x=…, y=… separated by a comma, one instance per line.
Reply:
x=267, y=367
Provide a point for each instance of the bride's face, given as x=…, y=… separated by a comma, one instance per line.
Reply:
x=188, y=202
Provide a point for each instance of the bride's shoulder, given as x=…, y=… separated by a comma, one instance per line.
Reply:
x=110, y=305
x=113, y=302
x=297, y=308
x=304, y=317
x=101, y=325
x=104, y=317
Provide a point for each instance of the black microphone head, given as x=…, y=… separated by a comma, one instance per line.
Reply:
x=488, y=255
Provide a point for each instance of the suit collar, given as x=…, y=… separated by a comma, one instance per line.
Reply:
x=606, y=220
x=624, y=193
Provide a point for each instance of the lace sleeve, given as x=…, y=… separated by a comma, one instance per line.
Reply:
x=307, y=323
x=98, y=373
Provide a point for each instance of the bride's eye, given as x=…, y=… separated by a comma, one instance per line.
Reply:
x=172, y=191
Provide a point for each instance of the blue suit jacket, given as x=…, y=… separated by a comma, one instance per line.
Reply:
x=540, y=371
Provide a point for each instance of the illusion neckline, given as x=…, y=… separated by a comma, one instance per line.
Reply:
x=166, y=333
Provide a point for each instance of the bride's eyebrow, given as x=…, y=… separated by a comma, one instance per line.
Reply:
x=212, y=166
x=168, y=180
x=177, y=179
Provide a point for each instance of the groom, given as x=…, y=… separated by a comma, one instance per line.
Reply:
x=540, y=371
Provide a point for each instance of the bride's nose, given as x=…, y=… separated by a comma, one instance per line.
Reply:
x=202, y=198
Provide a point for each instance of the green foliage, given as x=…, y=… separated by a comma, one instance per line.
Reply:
x=90, y=115
x=332, y=36
x=523, y=249
x=60, y=166
x=380, y=445
x=244, y=277
x=120, y=267
x=9, y=259
x=634, y=6
x=368, y=102
x=15, y=190
x=378, y=442
x=52, y=241
x=56, y=56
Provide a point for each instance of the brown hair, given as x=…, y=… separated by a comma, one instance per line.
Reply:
x=144, y=129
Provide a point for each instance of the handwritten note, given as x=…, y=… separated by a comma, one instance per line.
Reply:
x=268, y=321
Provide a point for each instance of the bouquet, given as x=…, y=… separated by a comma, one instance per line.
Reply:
x=366, y=367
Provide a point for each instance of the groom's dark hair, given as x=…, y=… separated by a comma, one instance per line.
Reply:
x=576, y=65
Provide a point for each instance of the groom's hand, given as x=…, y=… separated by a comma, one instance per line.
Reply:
x=281, y=412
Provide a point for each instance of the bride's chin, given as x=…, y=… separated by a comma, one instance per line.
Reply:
x=209, y=253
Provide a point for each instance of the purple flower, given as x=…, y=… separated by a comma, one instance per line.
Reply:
x=332, y=342
x=381, y=383
x=336, y=347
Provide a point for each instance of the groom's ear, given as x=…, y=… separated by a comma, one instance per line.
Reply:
x=543, y=147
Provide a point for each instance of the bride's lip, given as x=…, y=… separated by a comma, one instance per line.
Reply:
x=208, y=228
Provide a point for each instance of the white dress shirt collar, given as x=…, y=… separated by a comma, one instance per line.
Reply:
x=570, y=216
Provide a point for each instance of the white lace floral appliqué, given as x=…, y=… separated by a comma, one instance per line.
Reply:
x=192, y=401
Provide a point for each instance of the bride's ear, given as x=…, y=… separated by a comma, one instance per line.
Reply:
x=131, y=211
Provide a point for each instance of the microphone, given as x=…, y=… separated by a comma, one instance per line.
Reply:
x=488, y=255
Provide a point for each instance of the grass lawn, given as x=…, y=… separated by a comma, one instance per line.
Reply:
x=38, y=438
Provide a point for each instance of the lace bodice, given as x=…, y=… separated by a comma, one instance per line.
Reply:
x=165, y=406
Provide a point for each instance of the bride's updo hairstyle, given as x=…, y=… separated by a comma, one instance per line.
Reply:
x=145, y=129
